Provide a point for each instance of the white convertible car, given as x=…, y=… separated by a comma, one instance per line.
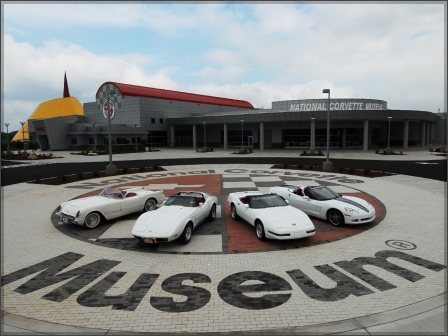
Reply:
x=180, y=214
x=323, y=202
x=109, y=204
x=271, y=215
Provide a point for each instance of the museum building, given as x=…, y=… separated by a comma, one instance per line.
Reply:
x=166, y=118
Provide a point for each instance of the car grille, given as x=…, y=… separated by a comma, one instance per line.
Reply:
x=70, y=218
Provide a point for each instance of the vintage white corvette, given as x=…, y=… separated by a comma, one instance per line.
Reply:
x=271, y=215
x=180, y=214
x=323, y=202
x=109, y=204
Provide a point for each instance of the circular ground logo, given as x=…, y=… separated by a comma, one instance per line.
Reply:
x=223, y=235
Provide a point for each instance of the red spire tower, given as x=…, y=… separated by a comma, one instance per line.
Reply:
x=66, y=92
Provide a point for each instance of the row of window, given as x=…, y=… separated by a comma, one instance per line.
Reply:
x=153, y=120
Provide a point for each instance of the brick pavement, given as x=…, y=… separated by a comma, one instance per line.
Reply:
x=292, y=290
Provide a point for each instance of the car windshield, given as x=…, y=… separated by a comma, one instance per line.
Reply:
x=186, y=201
x=322, y=193
x=266, y=201
x=110, y=192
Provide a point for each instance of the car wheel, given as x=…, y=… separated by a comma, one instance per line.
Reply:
x=212, y=214
x=259, y=230
x=150, y=205
x=186, y=235
x=335, y=217
x=233, y=212
x=92, y=220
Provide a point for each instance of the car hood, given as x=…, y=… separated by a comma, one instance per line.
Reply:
x=286, y=217
x=83, y=203
x=163, y=219
x=353, y=202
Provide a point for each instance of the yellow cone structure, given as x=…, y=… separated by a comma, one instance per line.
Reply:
x=60, y=107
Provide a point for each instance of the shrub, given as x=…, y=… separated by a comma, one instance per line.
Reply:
x=63, y=177
x=143, y=168
x=285, y=165
x=377, y=151
x=351, y=170
x=384, y=152
x=310, y=167
x=304, y=152
x=367, y=171
x=299, y=166
x=250, y=150
x=155, y=167
x=320, y=152
x=341, y=168
x=95, y=173
x=401, y=152
x=430, y=149
x=80, y=175
x=125, y=170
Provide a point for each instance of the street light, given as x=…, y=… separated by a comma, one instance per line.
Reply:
x=136, y=147
x=93, y=131
x=23, y=135
x=110, y=169
x=205, y=139
x=7, y=137
x=388, y=137
x=327, y=165
x=242, y=134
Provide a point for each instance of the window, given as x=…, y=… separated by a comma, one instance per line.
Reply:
x=91, y=141
x=161, y=120
x=153, y=120
x=74, y=141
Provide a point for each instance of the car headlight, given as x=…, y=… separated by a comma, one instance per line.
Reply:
x=351, y=211
x=59, y=208
x=78, y=214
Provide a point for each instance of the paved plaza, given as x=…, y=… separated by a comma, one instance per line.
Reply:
x=388, y=277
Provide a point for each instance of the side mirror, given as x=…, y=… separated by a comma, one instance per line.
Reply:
x=306, y=198
x=245, y=205
x=287, y=201
x=201, y=204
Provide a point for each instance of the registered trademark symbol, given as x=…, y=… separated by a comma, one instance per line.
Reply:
x=401, y=244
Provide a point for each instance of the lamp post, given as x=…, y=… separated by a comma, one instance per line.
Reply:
x=7, y=137
x=327, y=165
x=136, y=147
x=110, y=169
x=23, y=135
x=388, y=135
x=205, y=139
x=242, y=134
x=93, y=131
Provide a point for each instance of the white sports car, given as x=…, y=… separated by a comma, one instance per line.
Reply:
x=109, y=204
x=323, y=202
x=271, y=215
x=180, y=214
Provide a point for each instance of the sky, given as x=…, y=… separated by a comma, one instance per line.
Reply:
x=258, y=52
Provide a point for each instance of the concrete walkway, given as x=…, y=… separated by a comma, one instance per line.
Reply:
x=417, y=307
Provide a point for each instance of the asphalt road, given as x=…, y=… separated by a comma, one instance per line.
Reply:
x=434, y=169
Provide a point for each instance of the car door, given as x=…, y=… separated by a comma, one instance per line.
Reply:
x=308, y=205
x=202, y=210
x=131, y=203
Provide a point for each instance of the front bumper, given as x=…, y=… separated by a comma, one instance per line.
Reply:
x=360, y=218
x=290, y=235
x=65, y=219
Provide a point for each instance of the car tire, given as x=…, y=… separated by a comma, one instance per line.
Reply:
x=212, y=214
x=150, y=205
x=335, y=217
x=186, y=234
x=92, y=220
x=233, y=212
x=259, y=230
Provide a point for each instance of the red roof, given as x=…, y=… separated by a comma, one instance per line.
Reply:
x=143, y=91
